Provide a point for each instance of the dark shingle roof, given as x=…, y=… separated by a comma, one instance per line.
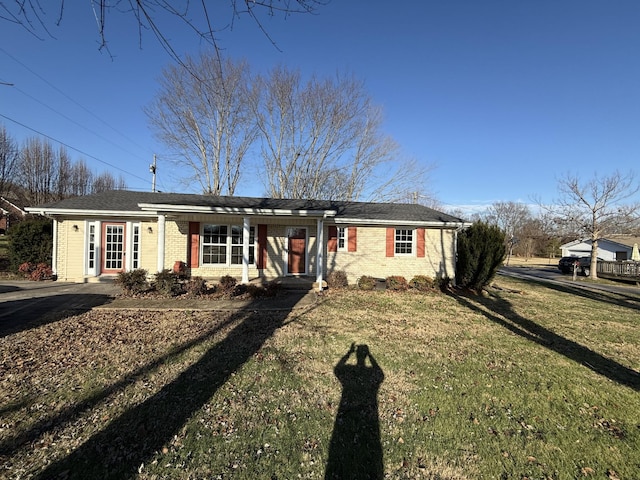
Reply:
x=129, y=201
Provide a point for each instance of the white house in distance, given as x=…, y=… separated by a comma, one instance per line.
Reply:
x=99, y=235
x=615, y=248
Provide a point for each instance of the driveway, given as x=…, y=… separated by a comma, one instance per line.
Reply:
x=553, y=276
x=25, y=304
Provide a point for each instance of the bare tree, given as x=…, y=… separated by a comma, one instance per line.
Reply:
x=202, y=19
x=8, y=159
x=202, y=114
x=322, y=139
x=106, y=181
x=596, y=205
x=38, y=170
x=81, y=179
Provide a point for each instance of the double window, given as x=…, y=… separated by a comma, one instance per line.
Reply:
x=403, y=241
x=222, y=245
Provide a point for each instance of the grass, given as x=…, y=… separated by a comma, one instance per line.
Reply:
x=526, y=382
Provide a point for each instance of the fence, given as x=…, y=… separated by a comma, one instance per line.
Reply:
x=619, y=270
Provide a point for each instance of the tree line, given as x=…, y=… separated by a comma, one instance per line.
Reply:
x=38, y=172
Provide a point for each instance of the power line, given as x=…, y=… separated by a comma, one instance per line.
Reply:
x=73, y=148
x=71, y=99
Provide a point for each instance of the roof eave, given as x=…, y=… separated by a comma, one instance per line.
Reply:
x=278, y=212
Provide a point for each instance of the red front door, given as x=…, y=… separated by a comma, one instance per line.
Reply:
x=297, y=255
x=112, y=249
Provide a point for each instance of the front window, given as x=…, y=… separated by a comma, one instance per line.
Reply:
x=404, y=241
x=236, y=245
x=222, y=245
x=214, y=244
x=342, y=238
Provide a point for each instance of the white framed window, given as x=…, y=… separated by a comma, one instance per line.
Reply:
x=135, y=247
x=404, y=241
x=342, y=238
x=222, y=245
x=91, y=247
x=236, y=245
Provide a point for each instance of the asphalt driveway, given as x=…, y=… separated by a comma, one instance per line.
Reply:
x=25, y=304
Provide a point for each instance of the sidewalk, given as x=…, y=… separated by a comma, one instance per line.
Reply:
x=286, y=300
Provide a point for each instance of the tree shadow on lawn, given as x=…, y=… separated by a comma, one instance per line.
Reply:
x=500, y=311
x=130, y=440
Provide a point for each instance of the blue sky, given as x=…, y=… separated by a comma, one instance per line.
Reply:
x=502, y=97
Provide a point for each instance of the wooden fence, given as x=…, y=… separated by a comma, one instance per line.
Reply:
x=628, y=270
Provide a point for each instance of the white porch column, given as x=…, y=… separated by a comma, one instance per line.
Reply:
x=246, y=224
x=161, y=221
x=54, y=252
x=319, y=253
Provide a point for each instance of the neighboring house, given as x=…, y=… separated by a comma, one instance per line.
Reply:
x=613, y=248
x=10, y=214
x=248, y=238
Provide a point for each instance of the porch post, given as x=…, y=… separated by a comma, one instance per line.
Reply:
x=246, y=224
x=54, y=252
x=319, y=253
x=161, y=219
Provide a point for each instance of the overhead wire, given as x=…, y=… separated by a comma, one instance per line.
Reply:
x=73, y=148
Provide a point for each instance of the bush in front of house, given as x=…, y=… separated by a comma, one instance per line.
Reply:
x=337, y=279
x=396, y=282
x=422, y=283
x=196, y=286
x=481, y=250
x=30, y=241
x=133, y=281
x=36, y=273
x=168, y=283
x=367, y=282
x=227, y=283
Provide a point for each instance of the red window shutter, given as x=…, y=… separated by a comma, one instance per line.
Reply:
x=193, y=249
x=391, y=241
x=332, y=241
x=262, y=247
x=353, y=239
x=420, y=246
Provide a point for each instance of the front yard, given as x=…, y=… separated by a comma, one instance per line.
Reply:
x=529, y=382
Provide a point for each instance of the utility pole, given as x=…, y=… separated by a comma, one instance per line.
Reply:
x=152, y=169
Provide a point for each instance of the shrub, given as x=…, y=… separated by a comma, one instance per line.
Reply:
x=227, y=283
x=272, y=289
x=134, y=281
x=37, y=273
x=337, y=279
x=422, y=283
x=481, y=250
x=196, y=286
x=30, y=241
x=168, y=283
x=396, y=282
x=366, y=282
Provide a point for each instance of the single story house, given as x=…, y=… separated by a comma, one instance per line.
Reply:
x=248, y=238
x=615, y=248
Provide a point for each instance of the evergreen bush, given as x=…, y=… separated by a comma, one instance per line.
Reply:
x=30, y=241
x=133, y=281
x=481, y=250
x=422, y=283
x=396, y=282
x=168, y=283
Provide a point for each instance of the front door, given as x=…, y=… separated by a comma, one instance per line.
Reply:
x=113, y=248
x=297, y=251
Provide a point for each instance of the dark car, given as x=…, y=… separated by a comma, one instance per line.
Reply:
x=566, y=264
x=584, y=264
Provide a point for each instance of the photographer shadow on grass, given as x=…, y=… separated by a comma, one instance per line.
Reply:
x=355, y=451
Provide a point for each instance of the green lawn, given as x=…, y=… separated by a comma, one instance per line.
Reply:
x=527, y=382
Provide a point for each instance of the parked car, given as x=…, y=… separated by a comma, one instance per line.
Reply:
x=584, y=264
x=566, y=264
